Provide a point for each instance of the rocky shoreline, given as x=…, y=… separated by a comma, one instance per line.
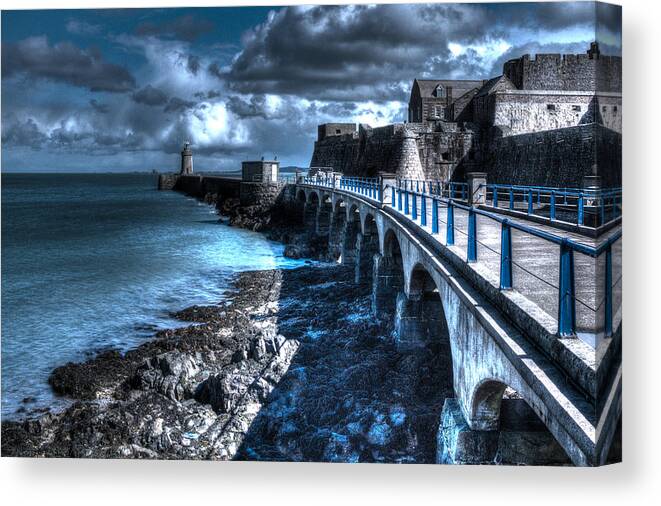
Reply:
x=290, y=366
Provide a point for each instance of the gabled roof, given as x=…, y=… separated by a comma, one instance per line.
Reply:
x=427, y=86
x=495, y=84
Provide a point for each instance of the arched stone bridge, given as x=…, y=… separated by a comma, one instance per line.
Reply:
x=498, y=340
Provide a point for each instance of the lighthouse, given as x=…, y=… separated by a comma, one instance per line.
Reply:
x=186, y=160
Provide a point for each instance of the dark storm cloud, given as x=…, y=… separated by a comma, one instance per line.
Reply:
x=99, y=107
x=193, y=64
x=211, y=94
x=186, y=28
x=177, y=104
x=64, y=62
x=24, y=133
x=365, y=51
x=247, y=107
x=150, y=96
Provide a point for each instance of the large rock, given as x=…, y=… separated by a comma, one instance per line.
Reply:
x=224, y=391
x=169, y=373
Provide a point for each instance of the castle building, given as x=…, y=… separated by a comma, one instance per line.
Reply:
x=542, y=121
x=431, y=97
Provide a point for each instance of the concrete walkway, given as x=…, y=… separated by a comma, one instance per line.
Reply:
x=536, y=265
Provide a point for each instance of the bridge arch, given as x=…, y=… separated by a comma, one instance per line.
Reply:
x=421, y=320
x=495, y=406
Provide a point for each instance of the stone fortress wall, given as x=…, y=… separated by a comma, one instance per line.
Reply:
x=566, y=72
x=517, y=159
x=548, y=120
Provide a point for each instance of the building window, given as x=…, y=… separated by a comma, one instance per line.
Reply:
x=445, y=156
x=337, y=131
x=603, y=108
x=614, y=108
x=576, y=108
x=550, y=107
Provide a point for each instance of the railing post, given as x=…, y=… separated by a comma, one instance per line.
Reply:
x=471, y=249
x=608, y=291
x=449, y=239
x=511, y=198
x=494, y=198
x=406, y=202
x=602, y=211
x=529, y=201
x=566, y=300
x=394, y=199
x=414, y=206
x=423, y=210
x=399, y=199
x=505, y=256
x=434, y=216
x=552, y=205
x=580, y=208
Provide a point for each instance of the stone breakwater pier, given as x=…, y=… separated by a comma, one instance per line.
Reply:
x=517, y=289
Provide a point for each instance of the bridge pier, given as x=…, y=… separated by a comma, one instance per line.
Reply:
x=419, y=322
x=387, y=282
x=520, y=439
x=367, y=245
x=310, y=211
x=322, y=225
x=349, y=244
x=337, y=231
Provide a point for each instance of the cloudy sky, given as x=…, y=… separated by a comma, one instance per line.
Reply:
x=118, y=90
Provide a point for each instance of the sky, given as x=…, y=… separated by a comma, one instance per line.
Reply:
x=123, y=89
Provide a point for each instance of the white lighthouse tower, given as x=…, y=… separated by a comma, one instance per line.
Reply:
x=186, y=160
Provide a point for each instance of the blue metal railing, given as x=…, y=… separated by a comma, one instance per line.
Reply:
x=448, y=189
x=318, y=180
x=566, y=287
x=367, y=186
x=599, y=206
x=406, y=194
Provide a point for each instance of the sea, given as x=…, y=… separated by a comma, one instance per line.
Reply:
x=98, y=261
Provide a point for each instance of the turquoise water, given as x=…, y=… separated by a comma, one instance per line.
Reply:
x=97, y=261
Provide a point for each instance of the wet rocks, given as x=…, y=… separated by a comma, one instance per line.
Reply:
x=290, y=366
x=170, y=374
x=89, y=380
